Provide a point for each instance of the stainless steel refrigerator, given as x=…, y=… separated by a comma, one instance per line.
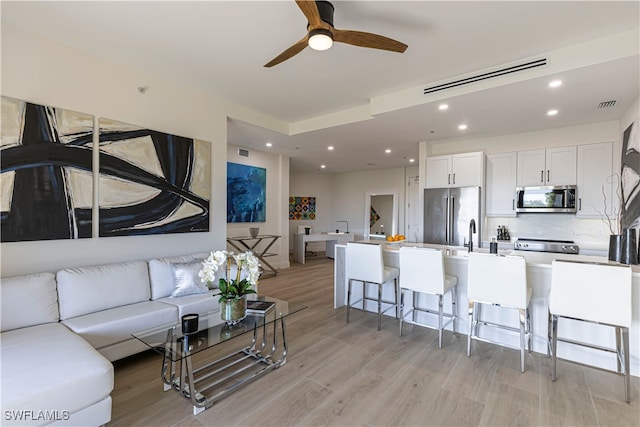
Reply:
x=448, y=213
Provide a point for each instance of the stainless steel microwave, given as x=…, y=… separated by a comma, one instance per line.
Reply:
x=546, y=199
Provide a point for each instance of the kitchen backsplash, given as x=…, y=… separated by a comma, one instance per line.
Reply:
x=587, y=233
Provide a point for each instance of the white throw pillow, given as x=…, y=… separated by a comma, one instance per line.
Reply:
x=187, y=280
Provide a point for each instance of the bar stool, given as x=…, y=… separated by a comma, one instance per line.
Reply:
x=422, y=271
x=595, y=293
x=365, y=264
x=499, y=280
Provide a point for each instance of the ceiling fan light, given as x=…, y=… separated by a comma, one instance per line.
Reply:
x=320, y=39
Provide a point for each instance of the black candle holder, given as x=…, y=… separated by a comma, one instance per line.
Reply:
x=189, y=323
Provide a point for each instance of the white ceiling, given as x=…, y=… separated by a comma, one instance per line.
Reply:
x=220, y=47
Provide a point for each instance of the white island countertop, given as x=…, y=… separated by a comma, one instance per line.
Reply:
x=533, y=259
x=538, y=277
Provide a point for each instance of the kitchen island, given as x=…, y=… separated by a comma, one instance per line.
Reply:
x=538, y=277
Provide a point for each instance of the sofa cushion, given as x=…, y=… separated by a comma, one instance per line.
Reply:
x=28, y=301
x=90, y=289
x=109, y=327
x=160, y=274
x=187, y=279
x=49, y=368
x=200, y=303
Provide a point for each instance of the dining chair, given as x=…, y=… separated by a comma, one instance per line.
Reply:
x=595, y=293
x=422, y=272
x=364, y=263
x=500, y=281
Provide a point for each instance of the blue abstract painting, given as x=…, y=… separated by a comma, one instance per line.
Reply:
x=246, y=193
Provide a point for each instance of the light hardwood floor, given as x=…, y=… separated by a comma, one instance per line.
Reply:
x=342, y=374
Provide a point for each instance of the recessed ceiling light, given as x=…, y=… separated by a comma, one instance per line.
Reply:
x=330, y=147
x=388, y=150
x=412, y=160
x=552, y=112
x=555, y=83
x=462, y=127
x=443, y=107
x=268, y=144
x=322, y=166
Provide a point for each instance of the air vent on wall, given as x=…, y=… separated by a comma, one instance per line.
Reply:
x=243, y=152
x=489, y=75
x=608, y=104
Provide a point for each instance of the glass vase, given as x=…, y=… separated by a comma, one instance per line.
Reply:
x=233, y=310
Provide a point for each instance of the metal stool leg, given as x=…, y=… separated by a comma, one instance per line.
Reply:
x=522, y=316
x=348, y=299
x=627, y=374
x=554, y=345
x=401, y=309
x=440, y=301
x=472, y=314
x=454, y=308
x=379, y=305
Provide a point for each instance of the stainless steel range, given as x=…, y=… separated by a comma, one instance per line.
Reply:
x=544, y=245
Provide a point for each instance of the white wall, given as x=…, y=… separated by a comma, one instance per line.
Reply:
x=349, y=191
x=277, y=208
x=317, y=185
x=589, y=233
x=41, y=71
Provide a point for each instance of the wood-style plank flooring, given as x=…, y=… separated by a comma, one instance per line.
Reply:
x=340, y=374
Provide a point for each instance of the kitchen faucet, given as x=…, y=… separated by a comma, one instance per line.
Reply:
x=347, y=222
x=472, y=229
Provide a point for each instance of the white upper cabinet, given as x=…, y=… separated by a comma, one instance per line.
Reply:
x=457, y=170
x=500, y=188
x=595, y=168
x=551, y=166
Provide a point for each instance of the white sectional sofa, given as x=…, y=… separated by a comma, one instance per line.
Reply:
x=60, y=332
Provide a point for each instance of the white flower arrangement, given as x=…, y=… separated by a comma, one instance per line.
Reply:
x=246, y=263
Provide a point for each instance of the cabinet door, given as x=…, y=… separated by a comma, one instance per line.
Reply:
x=501, y=184
x=561, y=166
x=595, y=168
x=466, y=169
x=531, y=168
x=438, y=172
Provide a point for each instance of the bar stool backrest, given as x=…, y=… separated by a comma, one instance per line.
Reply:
x=497, y=279
x=589, y=291
x=422, y=270
x=364, y=262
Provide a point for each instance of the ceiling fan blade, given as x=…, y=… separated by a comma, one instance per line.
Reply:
x=290, y=52
x=310, y=10
x=374, y=41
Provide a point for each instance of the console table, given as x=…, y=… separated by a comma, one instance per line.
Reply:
x=249, y=243
x=203, y=381
x=331, y=240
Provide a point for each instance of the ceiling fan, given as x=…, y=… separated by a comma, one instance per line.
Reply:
x=321, y=34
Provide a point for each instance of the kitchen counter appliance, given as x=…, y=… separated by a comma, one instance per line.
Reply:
x=546, y=245
x=546, y=199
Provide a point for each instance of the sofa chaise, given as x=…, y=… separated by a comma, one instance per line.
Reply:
x=61, y=331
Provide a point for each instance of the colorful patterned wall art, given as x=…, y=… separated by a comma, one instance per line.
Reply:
x=302, y=207
x=246, y=193
x=373, y=217
x=152, y=182
x=46, y=185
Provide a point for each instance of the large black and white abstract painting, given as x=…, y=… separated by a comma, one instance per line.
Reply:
x=46, y=185
x=152, y=182
x=630, y=173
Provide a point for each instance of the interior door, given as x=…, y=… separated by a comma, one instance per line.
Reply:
x=413, y=231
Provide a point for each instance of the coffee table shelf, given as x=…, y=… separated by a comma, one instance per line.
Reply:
x=203, y=380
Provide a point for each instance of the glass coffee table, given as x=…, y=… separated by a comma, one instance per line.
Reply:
x=204, y=378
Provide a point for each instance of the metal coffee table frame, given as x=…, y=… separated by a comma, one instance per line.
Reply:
x=205, y=384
